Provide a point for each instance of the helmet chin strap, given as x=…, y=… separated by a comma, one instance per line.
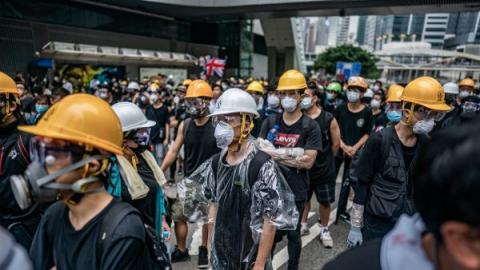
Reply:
x=244, y=133
x=410, y=116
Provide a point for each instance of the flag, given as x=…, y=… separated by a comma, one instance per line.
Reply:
x=212, y=66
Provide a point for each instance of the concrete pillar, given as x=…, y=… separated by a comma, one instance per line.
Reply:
x=272, y=62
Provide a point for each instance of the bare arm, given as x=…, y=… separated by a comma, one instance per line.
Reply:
x=212, y=214
x=167, y=133
x=266, y=243
x=305, y=162
x=335, y=136
x=173, y=151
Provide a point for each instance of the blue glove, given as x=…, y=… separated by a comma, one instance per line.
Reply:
x=355, y=237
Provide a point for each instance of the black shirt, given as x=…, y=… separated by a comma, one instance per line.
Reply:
x=160, y=116
x=323, y=170
x=295, y=135
x=199, y=144
x=364, y=257
x=379, y=120
x=67, y=248
x=353, y=125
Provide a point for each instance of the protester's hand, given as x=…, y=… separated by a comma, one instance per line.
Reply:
x=258, y=267
x=349, y=151
x=355, y=237
x=165, y=227
x=165, y=142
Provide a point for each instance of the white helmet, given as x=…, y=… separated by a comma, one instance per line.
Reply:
x=133, y=85
x=451, y=88
x=131, y=116
x=235, y=100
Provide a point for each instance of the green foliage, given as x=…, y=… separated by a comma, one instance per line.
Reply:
x=348, y=53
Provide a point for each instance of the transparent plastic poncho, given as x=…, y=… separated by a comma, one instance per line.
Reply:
x=239, y=210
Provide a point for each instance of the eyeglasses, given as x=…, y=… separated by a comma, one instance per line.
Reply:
x=232, y=120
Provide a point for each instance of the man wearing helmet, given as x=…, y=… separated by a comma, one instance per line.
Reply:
x=196, y=134
x=248, y=197
x=384, y=189
x=72, y=153
x=293, y=129
x=14, y=159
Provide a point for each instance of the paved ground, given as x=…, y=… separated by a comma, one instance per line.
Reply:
x=314, y=255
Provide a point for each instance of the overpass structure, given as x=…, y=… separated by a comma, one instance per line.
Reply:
x=283, y=34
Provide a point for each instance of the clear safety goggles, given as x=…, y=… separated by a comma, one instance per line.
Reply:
x=48, y=151
x=428, y=114
x=196, y=102
x=293, y=94
x=393, y=107
x=471, y=106
x=232, y=120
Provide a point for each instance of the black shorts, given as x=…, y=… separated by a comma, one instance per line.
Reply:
x=325, y=193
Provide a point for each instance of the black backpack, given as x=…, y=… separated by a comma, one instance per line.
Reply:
x=253, y=169
x=157, y=257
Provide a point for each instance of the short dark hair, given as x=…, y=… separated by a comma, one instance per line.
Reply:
x=445, y=178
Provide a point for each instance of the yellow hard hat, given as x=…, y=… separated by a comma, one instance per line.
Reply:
x=82, y=119
x=394, y=93
x=291, y=80
x=255, y=87
x=187, y=82
x=467, y=82
x=357, y=81
x=427, y=92
x=199, y=88
x=8, y=85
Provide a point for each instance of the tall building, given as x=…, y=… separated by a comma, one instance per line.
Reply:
x=463, y=28
x=434, y=29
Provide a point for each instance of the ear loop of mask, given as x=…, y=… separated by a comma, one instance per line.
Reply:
x=410, y=116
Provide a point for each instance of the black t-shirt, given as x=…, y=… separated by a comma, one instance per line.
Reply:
x=323, y=170
x=295, y=135
x=353, y=125
x=199, y=144
x=380, y=120
x=161, y=116
x=67, y=248
x=364, y=257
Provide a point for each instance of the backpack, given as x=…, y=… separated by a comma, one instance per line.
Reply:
x=158, y=257
x=253, y=169
x=387, y=138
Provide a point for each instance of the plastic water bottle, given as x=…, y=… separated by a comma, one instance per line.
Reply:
x=272, y=134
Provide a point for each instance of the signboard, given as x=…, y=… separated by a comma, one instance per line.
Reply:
x=346, y=70
x=178, y=74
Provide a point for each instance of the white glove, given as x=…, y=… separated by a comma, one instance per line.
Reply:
x=355, y=237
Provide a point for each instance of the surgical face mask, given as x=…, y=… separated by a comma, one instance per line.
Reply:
x=306, y=103
x=375, y=104
x=36, y=185
x=464, y=94
x=376, y=88
x=289, y=104
x=330, y=96
x=353, y=96
x=223, y=134
x=260, y=103
x=423, y=126
x=153, y=98
x=273, y=101
x=394, y=116
x=103, y=95
x=41, y=108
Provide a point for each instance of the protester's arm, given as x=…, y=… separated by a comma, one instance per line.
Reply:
x=304, y=162
x=167, y=132
x=335, y=136
x=359, y=144
x=265, y=245
x=172, y=153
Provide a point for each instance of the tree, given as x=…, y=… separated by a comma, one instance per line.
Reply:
x=348, y=53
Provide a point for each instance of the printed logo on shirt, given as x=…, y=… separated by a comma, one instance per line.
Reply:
x=13, y=154
x=360, y=122
x=287, y=140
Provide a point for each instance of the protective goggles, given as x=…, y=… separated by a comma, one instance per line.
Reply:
x=232, y=120
x=47, y=151
x=196, y=102
x=393, y=107
x=428, y=114
x=471, y=106
x=283, y=94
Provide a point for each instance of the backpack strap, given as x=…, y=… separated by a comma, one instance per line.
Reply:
x=387, y=139
x=255, y=165
x=108, y=224
x=215, y=161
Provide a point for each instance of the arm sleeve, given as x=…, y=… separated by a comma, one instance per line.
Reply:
x=41, y=251
x=367, y=167
x=368, y=126
x=272, y=198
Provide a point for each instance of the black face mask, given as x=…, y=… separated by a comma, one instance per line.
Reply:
x=196, y=113
x=140, y=149
x=450, y=99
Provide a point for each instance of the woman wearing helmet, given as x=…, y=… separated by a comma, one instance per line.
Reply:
x=242, y=185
